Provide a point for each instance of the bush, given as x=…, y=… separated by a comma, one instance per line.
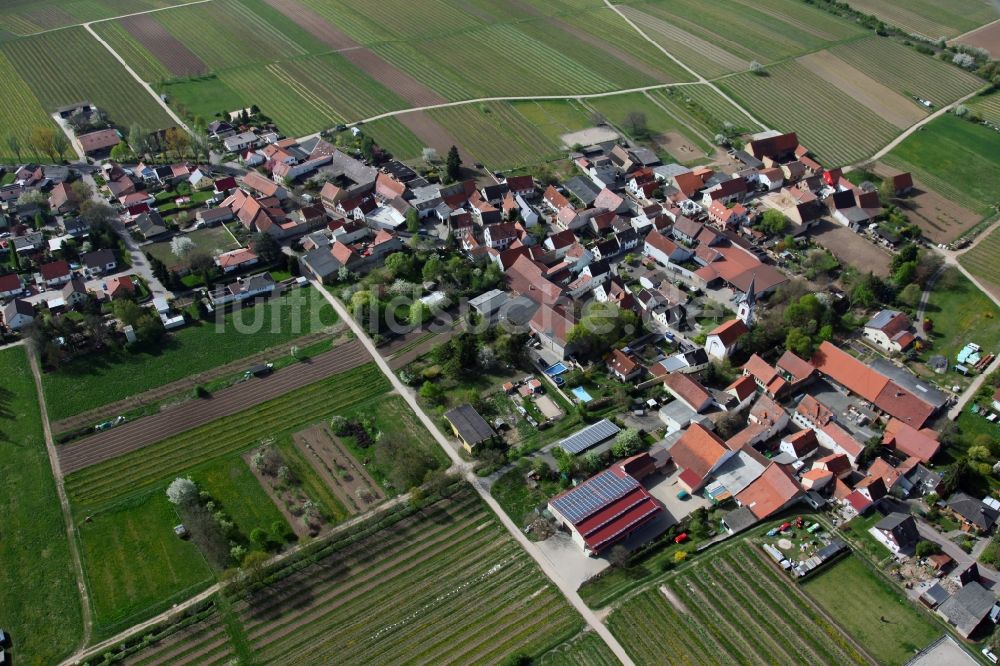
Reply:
x=926, y=548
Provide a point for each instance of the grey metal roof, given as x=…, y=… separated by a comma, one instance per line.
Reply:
x=592, y=495
x=881, y=319
x=968, y=607
x=471, y=427
x=740, y=519
x=589, y=437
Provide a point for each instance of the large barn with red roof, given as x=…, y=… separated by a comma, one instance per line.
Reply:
x=605, y=509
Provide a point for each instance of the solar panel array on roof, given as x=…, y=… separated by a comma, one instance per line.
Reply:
x=593, y=495
x=590, y=436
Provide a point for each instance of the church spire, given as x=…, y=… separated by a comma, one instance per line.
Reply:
x=746, y=309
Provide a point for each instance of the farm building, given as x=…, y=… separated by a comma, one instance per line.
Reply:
x=969, y=609
x=604, y=510
x=589, y=437
x=98, y=142
x=469, y=426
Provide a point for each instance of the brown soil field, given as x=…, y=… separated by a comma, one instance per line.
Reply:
x=852, y=248
x=177, y=58
x=137, y=434
x=368, y=62
x=679, y=146
x=887, y=103
x=349, y=481
x=987, y=37
x=940, y=219
x=173, y=389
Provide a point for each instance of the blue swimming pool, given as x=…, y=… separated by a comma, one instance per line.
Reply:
x=582, y=395
x=556, y=369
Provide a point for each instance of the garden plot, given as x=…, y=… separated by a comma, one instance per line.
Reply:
x=349, y=481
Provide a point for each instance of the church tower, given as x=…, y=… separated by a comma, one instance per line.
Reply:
x=745, y=311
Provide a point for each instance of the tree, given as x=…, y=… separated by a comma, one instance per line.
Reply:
x=773, y=222
x=910, y=295
x=182, y=492
x=43, y=141
x=60, y=144
x=82, y=190
x=368, y=148
x=635, y=124
x=926, y=548
x=181, y=247
x=14, y=145
x=799, y=342
x=627, y=443
x=905, y=274
x=429, y=155
x=757, y=68
x=266, y=248
x=138, y=138
x=453, y=165
x=177, y=141
x=412, y=220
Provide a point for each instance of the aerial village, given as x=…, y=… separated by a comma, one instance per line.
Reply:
x=723, y=390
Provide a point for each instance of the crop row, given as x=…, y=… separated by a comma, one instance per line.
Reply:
x=906, y=71
x=587, y=649
x=145, y=64
x=395, y=137
x=69, y=66
x=370, y=21
x=226, y=34
x=19, y=112
x=343, y=86
x=833, y=125
x=983, y=259
x=653, y=632
x=470, y=594
x=930, y=18
x=136, y=471
x=496, y=134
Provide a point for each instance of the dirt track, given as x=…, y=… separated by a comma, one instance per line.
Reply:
x=138, y=434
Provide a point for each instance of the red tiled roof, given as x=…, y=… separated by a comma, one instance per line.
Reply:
x=10, y=282
x=235, y=257
x=849, y=372
x=794, y=366
x=843, y=439
x=803, y=441
x=837, y=463
x=858, y=502
x=257, y=182
x=622, y=363
x=119, y=285
x=661, y=242
x=688, y=390
x=730, y=331
x=742, y=388
x=769, y=492
x=698, y=450
x=54, y=270
x=921, y=444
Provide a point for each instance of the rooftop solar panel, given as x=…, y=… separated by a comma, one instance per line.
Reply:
x=590, y=436
x=593, y=495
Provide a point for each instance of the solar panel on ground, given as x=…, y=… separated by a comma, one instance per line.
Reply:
x=594, y=494
x=590, y=436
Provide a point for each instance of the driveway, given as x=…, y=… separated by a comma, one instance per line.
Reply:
x=665, y=487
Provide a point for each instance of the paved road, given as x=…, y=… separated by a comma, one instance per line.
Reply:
x=962, y=558
x=137, y=434
x=547, y=566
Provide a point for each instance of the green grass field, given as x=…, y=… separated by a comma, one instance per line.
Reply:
x=731, y=607
x=231, y=483
x=40, y=606
x=69, y=66
x=876, y=614
x=134, y=562
x=983, y=261
x=956, y=158
x=209, y=241
x=395, y=137
x=791, y=98
x=961, y=314
x=102, y=379
x=553, y=118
